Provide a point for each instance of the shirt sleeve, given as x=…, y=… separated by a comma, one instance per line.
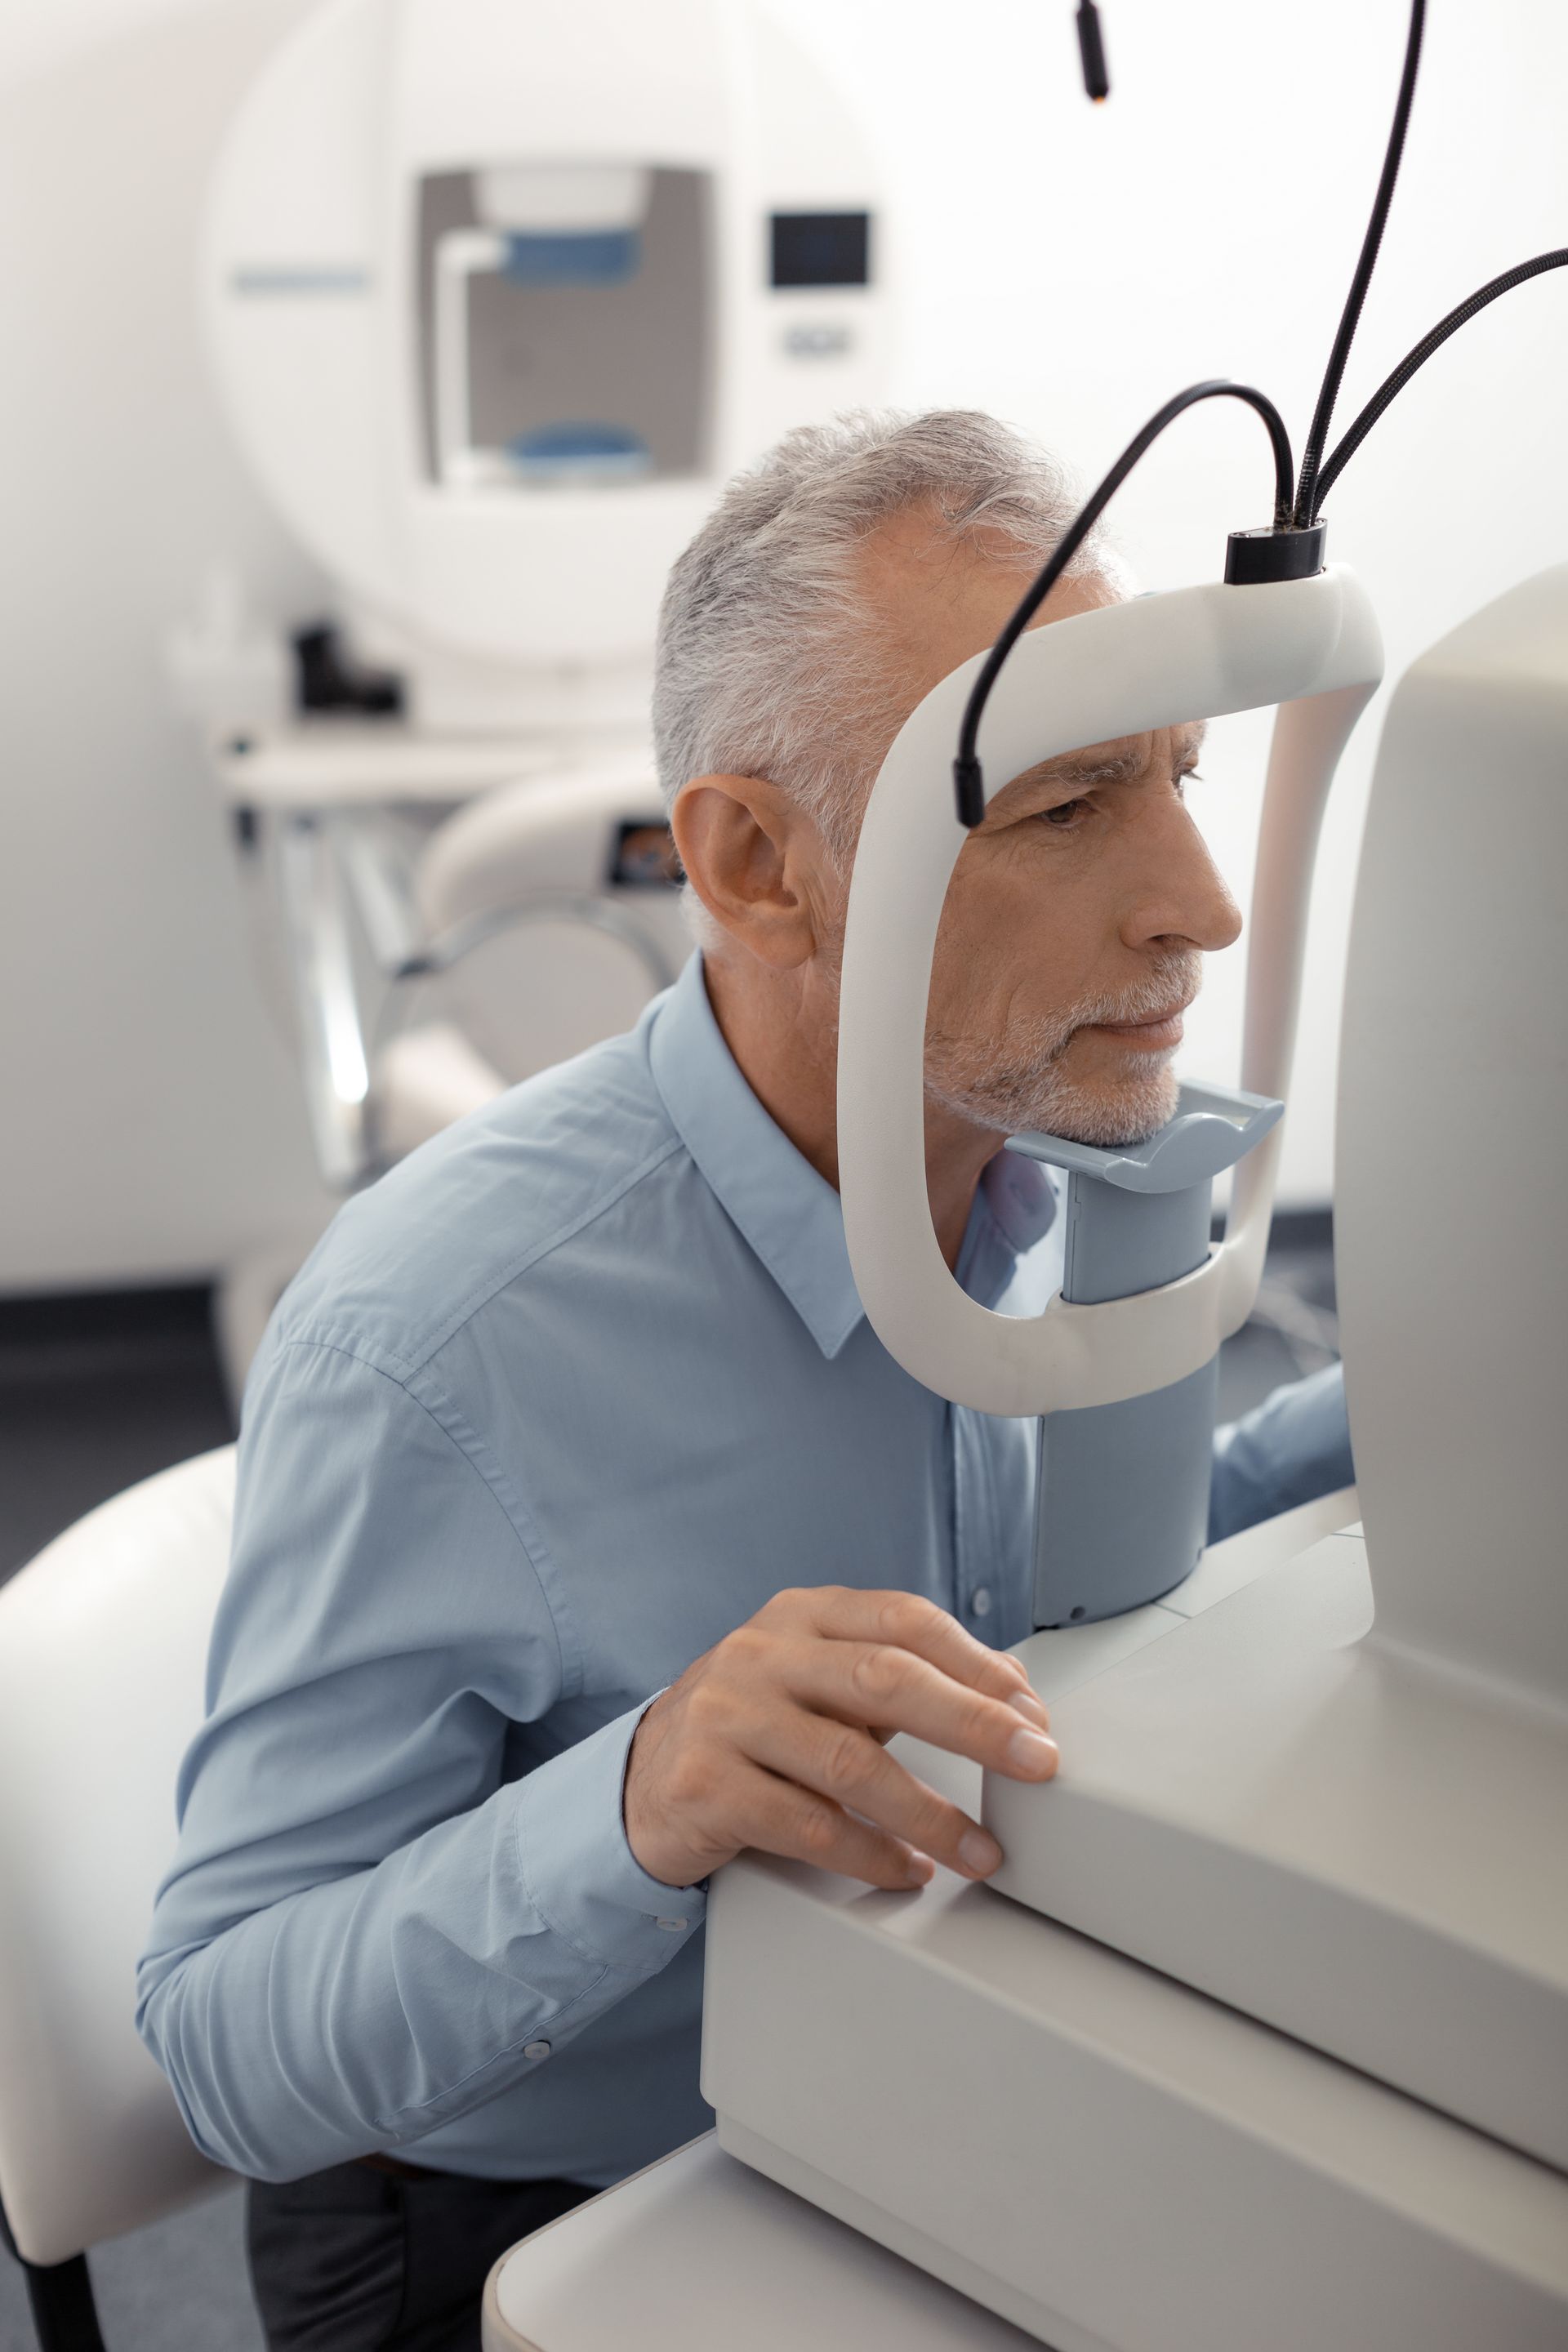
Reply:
x=1291, y=1449
x=372, y=1923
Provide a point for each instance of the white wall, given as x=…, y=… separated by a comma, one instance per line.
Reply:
x=151, y=1123
x=1067, y=267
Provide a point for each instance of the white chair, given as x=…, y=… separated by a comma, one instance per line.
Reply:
x=104, y=1642
x=550, y=919
x=533, y=921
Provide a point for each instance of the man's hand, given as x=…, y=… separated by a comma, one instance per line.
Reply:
x=774, y=1739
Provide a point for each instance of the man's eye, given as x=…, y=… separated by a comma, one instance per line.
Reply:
x=1065, y=813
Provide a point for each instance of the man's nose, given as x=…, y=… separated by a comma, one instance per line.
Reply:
x=1183, y=897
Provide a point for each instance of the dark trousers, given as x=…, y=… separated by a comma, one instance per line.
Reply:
x=362, y=2259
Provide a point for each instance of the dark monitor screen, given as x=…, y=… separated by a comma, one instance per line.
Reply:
x=821, y=248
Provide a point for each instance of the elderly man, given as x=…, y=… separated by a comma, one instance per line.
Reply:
x=586, y=1534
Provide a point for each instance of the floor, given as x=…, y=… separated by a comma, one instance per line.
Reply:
x=179, y=2287
x=95, y=1392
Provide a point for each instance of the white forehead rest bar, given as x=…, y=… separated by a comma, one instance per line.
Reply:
x=1311, y=646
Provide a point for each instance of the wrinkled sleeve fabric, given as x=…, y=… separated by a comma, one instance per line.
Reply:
x=369, y=1929
x=1294, y=1447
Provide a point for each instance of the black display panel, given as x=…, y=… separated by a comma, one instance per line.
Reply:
x=645, y=855
x=821, y=248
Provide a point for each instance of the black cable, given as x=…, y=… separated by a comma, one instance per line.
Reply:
x=968, y=782
x=1308, y=492
x=1351, y=442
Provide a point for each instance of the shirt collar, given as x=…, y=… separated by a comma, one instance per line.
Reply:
x=789, y=1213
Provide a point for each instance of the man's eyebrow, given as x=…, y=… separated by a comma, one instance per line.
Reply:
x=1083, y=768
x=1121, y=767
x=1110, y=767
x=1088, y=767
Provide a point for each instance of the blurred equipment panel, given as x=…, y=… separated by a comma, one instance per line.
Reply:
x=497, y=295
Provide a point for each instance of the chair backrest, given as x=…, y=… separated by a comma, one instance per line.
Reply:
x=104, y=1642
x=540, y=991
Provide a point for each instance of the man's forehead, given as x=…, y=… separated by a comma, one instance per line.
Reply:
x=937, y=599
x=942, y=600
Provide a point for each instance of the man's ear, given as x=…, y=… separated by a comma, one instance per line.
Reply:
x=753, y=857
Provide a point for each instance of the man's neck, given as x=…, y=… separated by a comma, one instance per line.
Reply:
x=785, y=1043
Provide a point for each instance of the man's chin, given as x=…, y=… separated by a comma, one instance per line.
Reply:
x=1107, y=1117
x=1105, y=1111
x=1111, y=1127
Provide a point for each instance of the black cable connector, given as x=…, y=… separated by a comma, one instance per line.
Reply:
x=1253, y=558
x=1091, y=50
x=969, y=791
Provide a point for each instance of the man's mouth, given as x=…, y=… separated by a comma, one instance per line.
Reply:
x=1156, y=1033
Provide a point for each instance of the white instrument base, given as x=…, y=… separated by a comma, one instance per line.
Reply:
x=1273, y=1806
x=1095, y=2153
x=1114, y=2162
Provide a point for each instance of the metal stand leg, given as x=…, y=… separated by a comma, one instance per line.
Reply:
x=64, y=2315
x=321, y=958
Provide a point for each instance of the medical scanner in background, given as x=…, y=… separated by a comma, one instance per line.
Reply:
x=496, y=297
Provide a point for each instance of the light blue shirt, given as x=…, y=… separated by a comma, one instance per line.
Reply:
x=557, y=1405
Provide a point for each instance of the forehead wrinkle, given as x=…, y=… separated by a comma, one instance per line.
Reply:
x=1106, y=766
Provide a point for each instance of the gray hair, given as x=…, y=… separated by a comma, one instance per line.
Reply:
x=768, y=661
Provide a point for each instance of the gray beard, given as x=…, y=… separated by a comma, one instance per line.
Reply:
x=1019, y=1082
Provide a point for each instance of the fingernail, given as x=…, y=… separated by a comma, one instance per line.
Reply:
x=979, y=1853
x=1028, y=1704
x=921, y=1870
x=1033, y=1753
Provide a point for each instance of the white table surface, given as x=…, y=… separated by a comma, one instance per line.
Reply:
x=341, y=763
x=701, y=2255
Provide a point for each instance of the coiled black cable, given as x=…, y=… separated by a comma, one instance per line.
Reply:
x=1350, y=442
x=1308, y=492
x=967, y=778
x=1296, y=500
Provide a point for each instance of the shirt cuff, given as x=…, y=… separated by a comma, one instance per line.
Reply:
x=579, y=1872
x=1293, y=1448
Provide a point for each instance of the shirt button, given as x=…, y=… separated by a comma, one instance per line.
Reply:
x=536, y=2049
x=670, y=1927
x=981, y=1603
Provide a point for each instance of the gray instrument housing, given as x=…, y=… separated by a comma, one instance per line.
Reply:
x=1122, y=1490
